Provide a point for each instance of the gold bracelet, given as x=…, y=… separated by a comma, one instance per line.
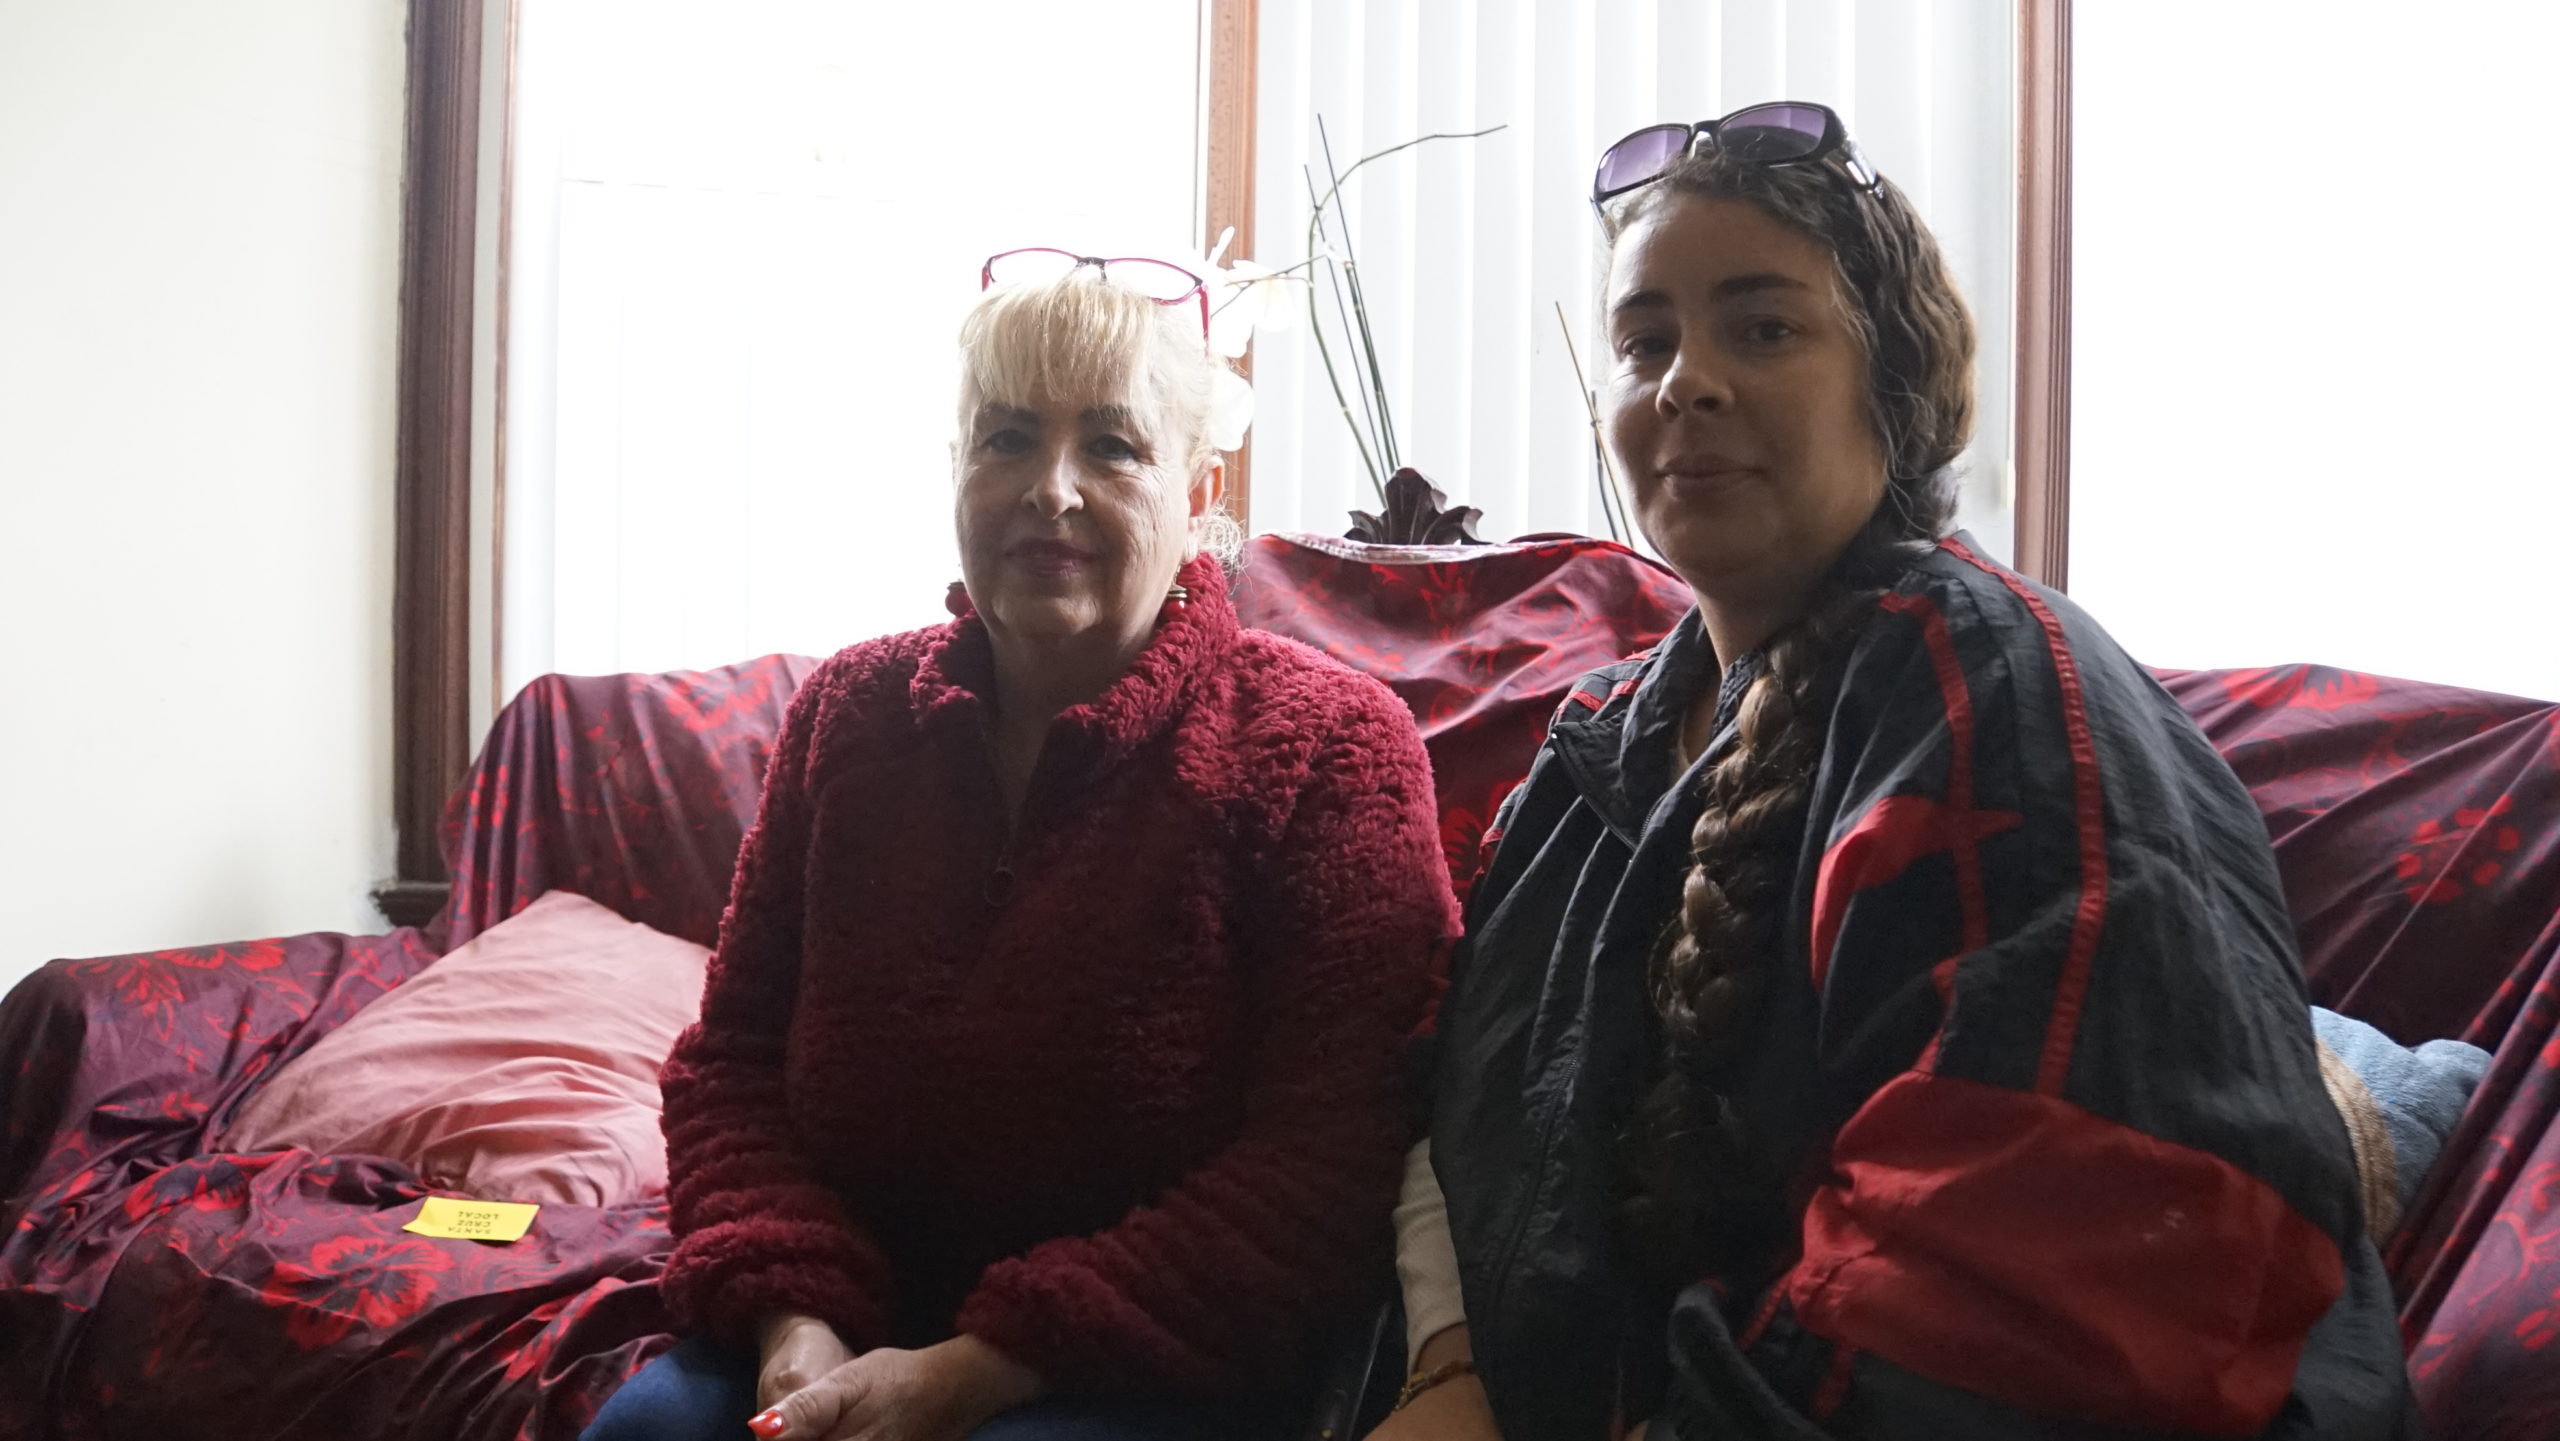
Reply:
x=1421, y=1381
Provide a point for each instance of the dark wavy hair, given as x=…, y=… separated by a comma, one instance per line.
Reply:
x=1700, y=1194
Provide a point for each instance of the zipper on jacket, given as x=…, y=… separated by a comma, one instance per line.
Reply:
x=998, y=886
x=1023, y=825
x=1019, y=833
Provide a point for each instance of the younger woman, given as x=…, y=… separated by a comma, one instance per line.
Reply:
x=1880, y=1017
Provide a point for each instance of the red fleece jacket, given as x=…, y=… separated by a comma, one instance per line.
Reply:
x=1118, y=1094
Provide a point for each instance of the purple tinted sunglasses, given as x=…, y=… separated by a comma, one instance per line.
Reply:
x=1785, y=132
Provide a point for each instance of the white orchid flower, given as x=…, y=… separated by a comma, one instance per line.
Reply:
x=1230, y=409
x=1244, y=298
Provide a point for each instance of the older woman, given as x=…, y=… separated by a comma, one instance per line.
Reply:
x=1051, y=1045
x=1880, y=1018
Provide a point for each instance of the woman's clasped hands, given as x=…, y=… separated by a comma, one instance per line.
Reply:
x=814, y=1388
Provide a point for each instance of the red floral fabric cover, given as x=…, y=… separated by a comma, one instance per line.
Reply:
x=635, y=791
x=1482, y=642
x=2418, y=830
x=150, y=1288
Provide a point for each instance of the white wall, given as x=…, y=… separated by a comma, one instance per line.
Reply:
x=199, y=266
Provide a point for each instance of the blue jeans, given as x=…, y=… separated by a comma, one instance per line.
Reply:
x=703, y=1391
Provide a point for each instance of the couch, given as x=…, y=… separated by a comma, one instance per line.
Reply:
x=150, y=1285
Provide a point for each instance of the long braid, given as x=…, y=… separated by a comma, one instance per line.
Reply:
x=1701, y=1194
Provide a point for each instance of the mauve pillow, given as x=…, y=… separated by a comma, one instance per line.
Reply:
x=521, y=1067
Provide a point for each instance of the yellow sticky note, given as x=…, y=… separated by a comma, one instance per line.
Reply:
x=462, y=1220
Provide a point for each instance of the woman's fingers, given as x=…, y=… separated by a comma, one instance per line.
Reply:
x=871, y=1417
x=780, y=1380
x=815, y=1412
x=797, y=1369
x=797, y=1355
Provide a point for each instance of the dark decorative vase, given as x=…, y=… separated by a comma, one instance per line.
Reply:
x=1417, y=514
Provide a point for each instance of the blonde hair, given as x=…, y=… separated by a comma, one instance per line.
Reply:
x=1080, y=335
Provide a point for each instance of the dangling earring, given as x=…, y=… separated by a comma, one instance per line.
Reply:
x=1177, y=599
x=956, y=599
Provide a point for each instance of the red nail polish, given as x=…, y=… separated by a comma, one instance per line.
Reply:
x=768, y=1425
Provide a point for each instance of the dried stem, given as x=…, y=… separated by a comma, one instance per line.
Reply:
x=1607, y=474
x=1315, y=328
x=1383, y=417
x=1377, y=443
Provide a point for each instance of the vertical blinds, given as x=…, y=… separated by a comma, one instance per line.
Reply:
x=1466, y=247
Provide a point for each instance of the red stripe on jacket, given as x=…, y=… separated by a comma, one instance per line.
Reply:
x=1902, y=829
x=2071, y=988
x=1894, y=833
x=2013, y=1244
x=1959, y=704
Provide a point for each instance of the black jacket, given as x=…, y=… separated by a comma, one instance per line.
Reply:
x=2040, y=1054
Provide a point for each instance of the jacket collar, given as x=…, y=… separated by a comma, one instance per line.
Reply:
x=955, y=679
x=1621, y=755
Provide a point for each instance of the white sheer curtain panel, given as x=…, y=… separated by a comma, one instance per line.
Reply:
x=741, y=234
x=1467, y=246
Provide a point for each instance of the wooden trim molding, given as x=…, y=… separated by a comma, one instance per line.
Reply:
x=431, y=565
x=1233, y=32
x=2043, y=454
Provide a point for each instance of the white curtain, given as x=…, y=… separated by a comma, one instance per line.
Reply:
x=2312, y=360
x=741, y=236
x=1467, y=246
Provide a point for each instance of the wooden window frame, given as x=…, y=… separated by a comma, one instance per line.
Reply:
x=431, y=585
x=431, y=567
x=431, y=557
x=2042, y=504
x=1234, y=26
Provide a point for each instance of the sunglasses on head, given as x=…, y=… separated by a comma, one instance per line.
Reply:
x=1785, y=132
x=1158, y=281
